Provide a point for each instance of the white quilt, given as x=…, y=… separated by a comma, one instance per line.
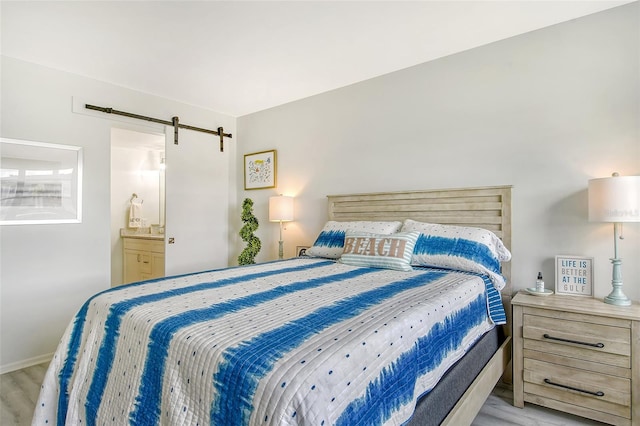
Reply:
x=303, y=341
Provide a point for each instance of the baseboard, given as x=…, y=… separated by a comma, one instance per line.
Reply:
x=7, y=368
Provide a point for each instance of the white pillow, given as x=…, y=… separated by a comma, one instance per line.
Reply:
x=459, y=247
x=330, y=242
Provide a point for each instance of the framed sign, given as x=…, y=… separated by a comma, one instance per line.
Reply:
x=260, y=170
x=574, y=275
x=40, y=183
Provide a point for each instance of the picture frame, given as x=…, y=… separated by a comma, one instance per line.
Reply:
x=574, y=275
x=40, y=183
x=260, y=170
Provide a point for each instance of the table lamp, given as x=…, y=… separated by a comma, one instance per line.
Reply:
x=280, y=210
x=615, y=199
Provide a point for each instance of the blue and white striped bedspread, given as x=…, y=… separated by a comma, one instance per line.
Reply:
x=304, y=341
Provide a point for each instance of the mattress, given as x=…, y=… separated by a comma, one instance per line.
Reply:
x=433, y=407
x=302, y=341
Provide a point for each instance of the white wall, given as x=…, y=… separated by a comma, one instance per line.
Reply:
x=544, y=112
x=48, y=271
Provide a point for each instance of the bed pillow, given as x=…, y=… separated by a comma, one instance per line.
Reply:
x=330, y=242
x=379, y=251
x=459, y=247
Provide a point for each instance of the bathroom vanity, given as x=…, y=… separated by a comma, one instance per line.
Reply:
x=143, y=257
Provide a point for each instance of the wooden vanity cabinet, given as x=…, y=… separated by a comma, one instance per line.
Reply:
x=143, y=259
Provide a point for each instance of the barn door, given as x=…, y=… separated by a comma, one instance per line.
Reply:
x=197, y=197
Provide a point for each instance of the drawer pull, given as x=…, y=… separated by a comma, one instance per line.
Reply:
x=549, y=382
x=595, y=345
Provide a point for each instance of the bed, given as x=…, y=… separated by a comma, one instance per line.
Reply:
x=310, y=340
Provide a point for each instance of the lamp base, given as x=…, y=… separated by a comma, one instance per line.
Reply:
x=617, y=297
x=614, y=299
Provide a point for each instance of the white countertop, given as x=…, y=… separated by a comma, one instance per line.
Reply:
x=143, y=234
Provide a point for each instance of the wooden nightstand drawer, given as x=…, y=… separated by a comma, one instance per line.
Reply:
x=539, y=352
x=591, y=342
x=580, y=387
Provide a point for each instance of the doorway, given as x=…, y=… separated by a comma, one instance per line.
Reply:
x=137, y=176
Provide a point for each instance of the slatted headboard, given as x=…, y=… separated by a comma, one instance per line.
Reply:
x=487, y=207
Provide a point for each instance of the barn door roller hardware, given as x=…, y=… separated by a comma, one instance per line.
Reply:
x=175, y=122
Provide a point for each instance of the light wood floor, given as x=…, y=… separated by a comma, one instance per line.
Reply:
x=19, y=392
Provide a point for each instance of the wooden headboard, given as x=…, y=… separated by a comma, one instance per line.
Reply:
x=487, y=207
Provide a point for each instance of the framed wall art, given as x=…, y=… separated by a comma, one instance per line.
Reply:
x=260, y=170
x=574, y=275
x=40, y=183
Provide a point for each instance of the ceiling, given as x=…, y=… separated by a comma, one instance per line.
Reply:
x=239, y=57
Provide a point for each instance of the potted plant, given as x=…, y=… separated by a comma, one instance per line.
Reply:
x=248, y=255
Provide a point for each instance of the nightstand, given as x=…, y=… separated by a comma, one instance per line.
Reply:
x=577, y=355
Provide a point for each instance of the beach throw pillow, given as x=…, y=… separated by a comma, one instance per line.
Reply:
x=330, y=241
x=459, y=247
x=379, y=251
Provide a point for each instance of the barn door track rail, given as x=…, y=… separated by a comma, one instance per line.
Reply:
x=175, y=122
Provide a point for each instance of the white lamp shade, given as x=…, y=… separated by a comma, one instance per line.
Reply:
x=280, y=208
x=614, y=199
